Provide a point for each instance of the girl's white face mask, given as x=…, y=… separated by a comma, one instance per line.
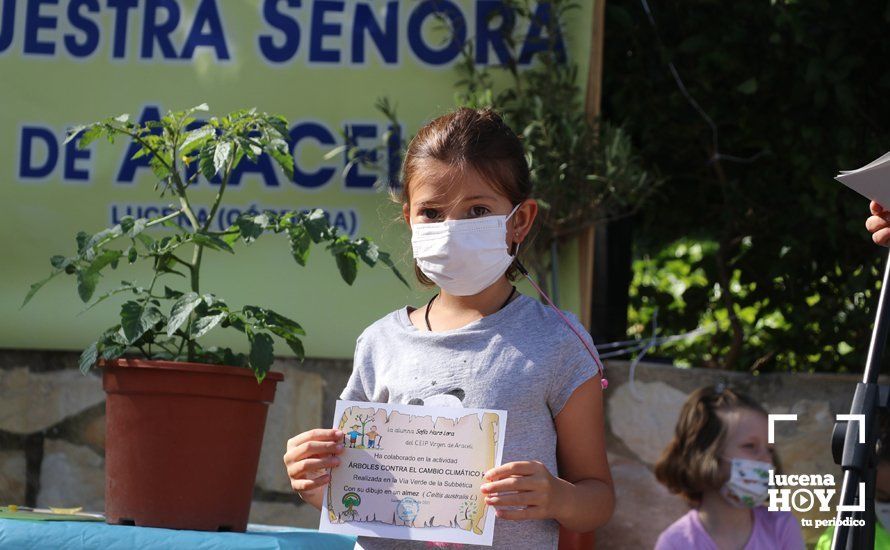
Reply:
x=463, y=257
x=748, y=483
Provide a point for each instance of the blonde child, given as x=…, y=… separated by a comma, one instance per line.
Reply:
x=719, y=461
x=479, y=343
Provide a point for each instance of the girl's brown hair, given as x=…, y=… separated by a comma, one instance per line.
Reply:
x=475, y=140
x=690, y=464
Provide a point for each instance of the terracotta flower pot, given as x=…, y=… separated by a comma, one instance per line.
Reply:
x=182, y=443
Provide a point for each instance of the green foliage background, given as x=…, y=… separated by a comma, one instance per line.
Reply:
x=756, y=241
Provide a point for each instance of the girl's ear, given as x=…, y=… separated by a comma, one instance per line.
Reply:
x=406, y=212
x=522, y=222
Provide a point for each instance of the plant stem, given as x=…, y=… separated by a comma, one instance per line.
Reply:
x=178, y=185
x=176, y=258
x=219, y=194
x=181, y=342
x=165, y=218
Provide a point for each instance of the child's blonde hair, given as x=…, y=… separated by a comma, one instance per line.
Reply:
x=477, y=140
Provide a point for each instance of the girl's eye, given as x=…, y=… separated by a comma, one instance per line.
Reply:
x=427, y=211
x=479, y=210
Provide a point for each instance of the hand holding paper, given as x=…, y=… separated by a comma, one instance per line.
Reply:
x=871, y=181
x=413, y=472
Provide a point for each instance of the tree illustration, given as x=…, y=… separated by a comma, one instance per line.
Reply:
x=351, y=500
x=363, y=419
x=468, y=509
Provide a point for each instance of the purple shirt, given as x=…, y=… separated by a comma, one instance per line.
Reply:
x=771, y=531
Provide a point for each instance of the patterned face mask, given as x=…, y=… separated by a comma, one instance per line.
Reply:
x=748, y=483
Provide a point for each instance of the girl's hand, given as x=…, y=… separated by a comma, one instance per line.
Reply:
x=878, y=224
x=307, y=457
x=536, y=489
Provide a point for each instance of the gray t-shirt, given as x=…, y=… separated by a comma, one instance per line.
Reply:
x=523, y=359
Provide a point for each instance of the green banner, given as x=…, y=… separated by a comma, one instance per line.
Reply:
x=321, y=64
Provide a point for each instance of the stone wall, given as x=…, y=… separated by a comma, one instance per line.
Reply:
x=52, y=426
x=52, y=433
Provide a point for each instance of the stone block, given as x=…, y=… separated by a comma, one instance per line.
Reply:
x=70, y=476
x=13, y=469
x=35, y=401
x=297, y=408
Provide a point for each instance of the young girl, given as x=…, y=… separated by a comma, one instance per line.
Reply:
x=719, y=461
x=479, y=343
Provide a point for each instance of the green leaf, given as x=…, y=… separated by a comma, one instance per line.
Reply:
x=103, y=237
x=212, y=241
x=299, y=243
x=280, y=152
x=73, y=132
x=182, y=308
x=317, y=225
x=35, y=287
x=233, y=233
x=387, y=261
x=279, y=123
x=127, y=223
x=170, y=293
x=165, y=263
x=249, y=229
x=221, y=155
x=132, y=255
x=89, y=277
x=59, y=262
x=748, y=87
x=86, y=284
x=297, y=346
x=82, y=239
x=275, y=322
x=113, y=351
x=196, y=138
x=137, y=319
x=261, y=354
x=138, y=227
x=146, y=240
x=347, y=262
x=368, y=251
x=205, y=162
x=88, y=358
x=90, y=136
x=125, y=286
x=237, y=321
x=204, y=324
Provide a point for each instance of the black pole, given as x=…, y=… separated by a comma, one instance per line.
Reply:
x=858, y=458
